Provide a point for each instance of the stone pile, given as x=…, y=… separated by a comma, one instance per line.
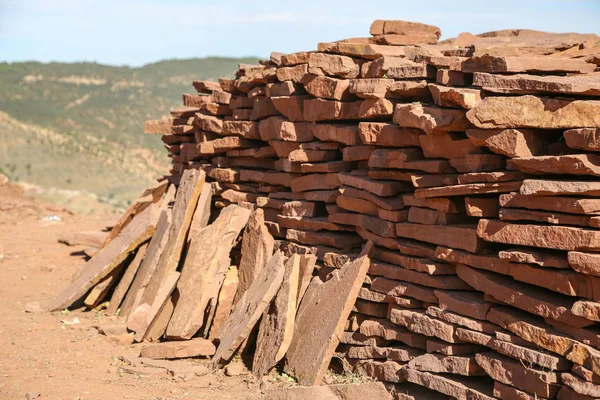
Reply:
x=471, y=168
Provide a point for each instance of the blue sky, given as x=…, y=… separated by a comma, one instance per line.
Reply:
x=137, y=32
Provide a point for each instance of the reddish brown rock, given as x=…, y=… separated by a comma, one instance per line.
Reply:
x=398, y=288
x=446, y=146
x=583, y=138
x=470, y=304
x=482, y=207
x=308, y=360
x=183, y=349
x=357, y=153
x=419, y=322
x=315, y=182
x=511, y=372
x=386, y=371
x=452, y=97
x=526, y=297
x=553, y=237
x=296, y=73
x=384, y=134
x=374, y=108
x=468, y=189
x=369, y=390
x=586, y=85
x=493, y=64
x=277, y=323
x=438, y=363
x=402, y=40
x=460, y=320
x=343, y=133
x=552, y=188
x=381, y=27
x=586, y=356
x=510, y=142
x=515, y=214
x=277, y=128
x=332, y=65
x=249, y=309
x=478, y=163
x=328, y=88
x=585, y=263
x=292, y=59
x=587, y=309
x=432, y=120
x=535, y=112
x=449, y=386
x=358, y=205
x=570, y=205
x=566, y=393
x=379, y=188
x=531, y=329
x=573, y=164
x=387, y=330
x=455, y=236
x=370, y=88
x=543, y=258
x=333, y=239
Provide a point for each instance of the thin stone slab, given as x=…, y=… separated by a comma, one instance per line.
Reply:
x=395, y=272
x=203, y=272
x=586, y=356
x=572, y=164
x=571, y=205
x=523, y=296
x=277, y=323
x=516, y=214
x=369, y=390
x=585, y=263
x=453, y=387
x=552, y=237
x=455, y=236
x=431, y=119
x=224, y=303
x=257, y=248
x=496, y=64
x=183, y=349
x=511, y=142
x=442, y=364
x=543, y=258
x=583, y=138
x=419, y=322
x=140, y=229
x=249, y=309
x=535, y=112
x=582, y=85
x=553, y=188
x=468, y=189
x=307, y=360
x=511, y=372
x=471, y=304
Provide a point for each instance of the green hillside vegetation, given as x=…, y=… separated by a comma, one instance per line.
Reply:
x=78, y=126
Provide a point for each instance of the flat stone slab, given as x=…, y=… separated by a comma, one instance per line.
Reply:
x=249, y=309
x=318, y=328
x=583, y=138
x=499, y=64
x=552, y=237
x=357, y=391
x=571, y=205
x=583, y=85
x=535, y=112
x=179, y=349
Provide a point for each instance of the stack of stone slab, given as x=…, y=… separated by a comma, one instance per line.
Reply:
x=472, y=165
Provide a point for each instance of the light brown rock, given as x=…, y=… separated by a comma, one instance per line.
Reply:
x=452, y=97
x=585, y=85
x=553, y=187
x=332, y=65
x=534, y=112
x=224, y=303
x=510, y=142
x=432, y=120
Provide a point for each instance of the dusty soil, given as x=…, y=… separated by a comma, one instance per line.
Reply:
x=41, y=354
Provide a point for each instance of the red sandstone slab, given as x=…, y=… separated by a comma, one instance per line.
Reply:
x=432, y=120
x=495, y=64
x=456, y=236
x=570, y=205
x=583, y=138
x=395, y=272
x=482, y=207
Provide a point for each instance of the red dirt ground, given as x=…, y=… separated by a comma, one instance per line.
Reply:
x=41, y=354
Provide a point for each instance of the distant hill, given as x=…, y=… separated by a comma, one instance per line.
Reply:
x=78, y=126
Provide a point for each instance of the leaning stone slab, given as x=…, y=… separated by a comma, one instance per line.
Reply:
x=307, y=360
x=140, y=229
x=277, y=323
x=249, y=309
x=203, y=271
x=535, y=112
